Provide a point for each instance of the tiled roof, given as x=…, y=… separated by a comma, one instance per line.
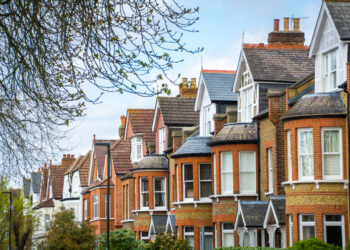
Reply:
x=56, y=179
x=159, y=222
x=219, y=85
x=141, y=122
x=278, y=65
x=26, y=187
x=45, y=173
x=120, y=155
x=340, y=12
x=47, y=203
x=254, y=212
x=318, y=104
x=100, y=155
x=195, y=146
x=98, y=184
x=152, y=162
x=35, y=181
x=178, y=110
x=279, y=205
x=235, y=133
x=81, y=164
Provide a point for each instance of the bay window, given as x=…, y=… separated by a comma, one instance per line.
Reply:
x=207, y=120
x=334, y=229
x=204, y=180
x=289, y=156
x=159, y=192
x=247, y=101
x=189, y=235
x=227, y=234
x=270, y=170
x=307, y=226
x=305, y=154
x=247, y=179
x=331, y=153
x=226, y=173
x=187, y=182
x=329, y=76
x=136, y=148
x=161, y=140
x=95, y=206
x=144, y=195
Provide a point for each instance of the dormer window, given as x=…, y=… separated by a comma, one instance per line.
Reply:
x=161, y=138
x=329, y=68
x=247, y=104
x=207, y=120
x=136, y=148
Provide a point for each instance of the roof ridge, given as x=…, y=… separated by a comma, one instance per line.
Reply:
x=223, y=71
x=275, y=46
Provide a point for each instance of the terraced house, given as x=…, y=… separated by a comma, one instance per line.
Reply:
x=258, y=156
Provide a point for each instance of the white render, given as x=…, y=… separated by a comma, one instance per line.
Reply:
x=326, y=39
x=72, y=199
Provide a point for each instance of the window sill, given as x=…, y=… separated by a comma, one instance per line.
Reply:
x=126, y=221
x=218, y=196
x=137, y=211
x=269, y=193
x=96, y=219
x=195, y=203
x=316, y=182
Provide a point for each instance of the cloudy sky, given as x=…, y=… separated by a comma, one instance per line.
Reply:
x=221, y=27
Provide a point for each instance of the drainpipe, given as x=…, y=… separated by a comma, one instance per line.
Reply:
x=168, y=183
x=258, y=143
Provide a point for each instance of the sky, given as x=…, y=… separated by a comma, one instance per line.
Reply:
x=223, y=25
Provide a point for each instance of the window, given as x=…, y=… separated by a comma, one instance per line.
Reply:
x=189, y=235
x=247, y=178
x=216, y=236
x=227, y=234
x=110, y=202
x=334, y=229
x=214, y=170
x=144, y=236
x=305, y=154
x=204, y=180
x=47, y=221
x=136, y=148
x=226, y=173
x=177, y=182
x=161, y=138
x=307, y=226
x=207, y=120
x=290, y=218
x=270, y=170
x=331, y=153
x=188, y=181
x=329, y=76
x=144, y=193
x=95, y=206
x=159, y=192
x=289, y=155
x=247, y=104
x=208, y=238
x=85, y=209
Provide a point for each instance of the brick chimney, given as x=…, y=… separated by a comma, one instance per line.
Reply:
x=188, y=88
x=288, y=36
x=122, y=126
x=276, y=106
x=177, y=139
x=219, y=122
x=151, y=147
x=231, y=114
x=67, y=160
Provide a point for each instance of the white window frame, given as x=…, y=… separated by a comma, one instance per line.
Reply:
x=216, y=235
x=47, y=221
x=334, y=223
x=95, y=206
x=200, y=181
x=300, y=172
x=207, y=120
x=135, y=142
x=164, y=192
x=327, y=70
x=226, y=231
x=143, y=237
x=270, y=169
x=230, y=192
x=240, y=171
x=214, y=170
x=161, y=140
x=245, y=104
x=188, y=181
x=305, y=223
x=188, y=234
x=332, y=177
x=110, y=206
x=85, y=209
x=290, y=219
x=208, y=233
x=289, y=156
x=143, y=192
x=177, y=183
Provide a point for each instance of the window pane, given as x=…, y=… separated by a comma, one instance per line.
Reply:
x=331, y=164
x=189, y=230
x=188, y=174
x=144, y=185
x=307, y=165
x=226, y=165
x=205, y=171
x=227, y=183
x=159, y=199
x=228, y=240
x=331, y=141
x=205, y=189
x=333, y=217
x=247, y=182
x=145, y=200
x=159, y=184
x=308, y=217
x=308, y=232
x=190, y=239
x=247, y=161
x=228, y=226
x=334, y=235
x=188, y=189
x=208, y=242
x=306, y=142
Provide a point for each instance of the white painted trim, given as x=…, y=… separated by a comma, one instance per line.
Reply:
x=155, y=116
x=299, y=131
x=126, y=221
x=199, y=181
x=269, y=209
x=226, y=231
x=239, y=166
x=239, y=213
x=142, y=208
x=316, y=182
x=96, y=219
x=183, y=183
x=221, y=173
x=200, y=93
x=154, y=193
x=308, y=223
x=335, y=223
x=214, y=170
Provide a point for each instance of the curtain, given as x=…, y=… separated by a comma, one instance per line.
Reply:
x=331, y=154
x=247, y=182
x=306, y=153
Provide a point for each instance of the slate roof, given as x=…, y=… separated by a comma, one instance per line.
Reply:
x=152, y=162
x=279, y=205
x=120, y=155
x=100, y=155
x=56, y=180
x=47, y=203
x=235, y=133
x=194, y=146
x=141, y=122
x=159, y=222
x=278, y=65
x=178, y=110
x=254, y=212
x=340, y=12
x=318, y=104
x=35, y=181
x=219, y=85
x=26, y=187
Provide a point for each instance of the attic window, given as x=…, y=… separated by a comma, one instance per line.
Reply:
x=329, y=71
x=136, y=148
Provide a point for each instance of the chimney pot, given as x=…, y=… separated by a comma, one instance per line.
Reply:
x=39, y=169
x=276, y=25
x=286, y=24
x=296, y=24
x=123, y=120
x=193, y=83
x=184, y=82
x=64, y=156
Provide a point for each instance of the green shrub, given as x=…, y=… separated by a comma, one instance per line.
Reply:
x=313, y=244
x=120, y=239
x=347, y=247
x=246, y=248
x=166, y=242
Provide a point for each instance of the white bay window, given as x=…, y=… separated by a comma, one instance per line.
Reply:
x=329, y=68
x=159, y=192
x=207, y=120
x=95, y=206
x=270, y=169
x=331, y=153
x=305, y=154
x=136, y=148
x=187, y=182
x=247, y=100
x=144, y=195
x=226, y=173
x=247, y=179
x=289, y=156
x=161, y=140
x=204, y=180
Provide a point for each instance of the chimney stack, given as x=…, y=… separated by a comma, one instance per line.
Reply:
x=177, y=139
x=187, y=89
x=122, y=126
x=286, y=24
x=276, y=25
x=296, y=24
x=286, y=37
x=67, y=160
x=219, y=122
